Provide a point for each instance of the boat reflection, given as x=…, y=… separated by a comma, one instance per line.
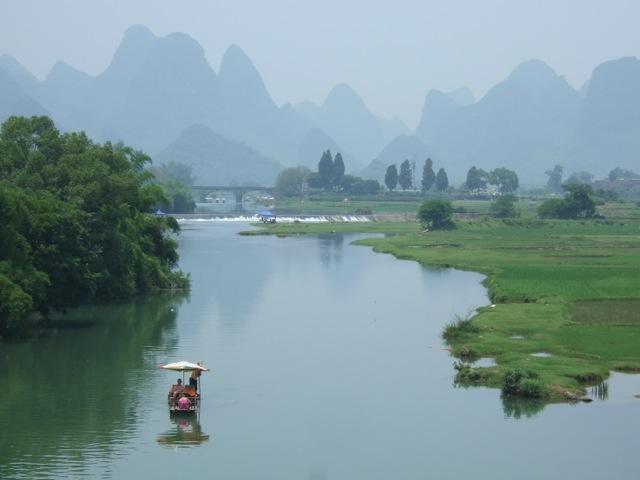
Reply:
x=186, y=432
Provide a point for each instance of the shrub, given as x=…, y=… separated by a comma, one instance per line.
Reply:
x=504, y=207
x=521, y=383
x=459, y=326
x=436, y=214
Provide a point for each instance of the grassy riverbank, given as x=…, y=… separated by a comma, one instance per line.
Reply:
x=566, y=294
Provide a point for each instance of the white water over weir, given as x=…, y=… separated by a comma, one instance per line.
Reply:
x=280, y=219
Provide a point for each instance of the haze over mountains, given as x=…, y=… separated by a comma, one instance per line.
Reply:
x=161, y=95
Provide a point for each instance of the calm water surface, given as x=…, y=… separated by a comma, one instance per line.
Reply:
x=326, y=364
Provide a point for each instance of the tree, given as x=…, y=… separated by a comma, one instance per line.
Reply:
x=291, y=181
x=576, y=204
x=504, y=179
x=177, y=197
x=620, y=174
x=428, y=176
x=405, y=179
x=582, y=177
x=504, y=206
x=436, y=214
x=325, y=170
x=176, y=171
x=391, y=177
x=442, y=181
x=579, y=203
x=338, y=169
x=476, y=179
x=358, y=186
x=554, y=182
x=75, y=224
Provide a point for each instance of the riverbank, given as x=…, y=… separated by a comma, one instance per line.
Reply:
x=566, y=295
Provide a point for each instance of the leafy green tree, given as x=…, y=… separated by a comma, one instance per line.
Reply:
x=180, y=172
x=504, y=179
x=391, y=177
x=291, y=181
x=476, y=179
x=436, y=214
x=177, y=197
x=428, y=175
x=620, y=174
x=577, y=203
x=554, y=182
x=338, y=169
x=442, y=181
x=325, y=170
x=582, y=177
x=405, y=178
x=358, y=186
x=75, y=225
x=504, y=206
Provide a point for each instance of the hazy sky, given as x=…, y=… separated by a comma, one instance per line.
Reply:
x=392, y=52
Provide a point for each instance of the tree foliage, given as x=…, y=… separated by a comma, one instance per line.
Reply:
x=577, y=203
x=338, y=169
x=442, y=181
x=405, y=178
x=504, y=206
x=325, y=170
x=582, y=177
x=554, y=182
x=391, y=177
x=428, y=175
x=505, y=180
x=74, y=224
x=291, y=181
x=436, y=214
x=476, y=179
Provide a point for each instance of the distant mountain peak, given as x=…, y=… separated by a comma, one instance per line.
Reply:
x=14, y=68
x=137, y=32
x=235, y=62
x=242, y=84
x=62, y=70
x=343, y=94
x=534, y=75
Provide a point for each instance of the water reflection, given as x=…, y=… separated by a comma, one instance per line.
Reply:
x=516, y=408
x=330, y=248
x=78, y=394
x=600, y=391
x=185, y=432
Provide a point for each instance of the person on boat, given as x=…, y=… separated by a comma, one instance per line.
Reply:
x=193, y=379
x=176, y=389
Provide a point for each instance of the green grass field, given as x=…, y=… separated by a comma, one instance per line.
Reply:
x=567, y=288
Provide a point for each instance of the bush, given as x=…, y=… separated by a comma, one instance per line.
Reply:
x=460, y=326
x=521, y=383
x=504, y=207
x=436, y=214
x=576, y=204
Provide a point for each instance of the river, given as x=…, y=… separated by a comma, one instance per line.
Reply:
x=326, y=361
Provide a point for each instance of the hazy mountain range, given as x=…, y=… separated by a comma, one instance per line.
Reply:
x=161, y=95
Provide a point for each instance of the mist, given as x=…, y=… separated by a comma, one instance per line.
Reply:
x=392, y=54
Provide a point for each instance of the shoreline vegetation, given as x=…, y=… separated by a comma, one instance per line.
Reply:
x=76, y=225
x=565, y=296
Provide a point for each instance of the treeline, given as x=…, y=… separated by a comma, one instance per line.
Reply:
x=74, y=224
x=176, y=180
x=329, y=177
x=405, y=177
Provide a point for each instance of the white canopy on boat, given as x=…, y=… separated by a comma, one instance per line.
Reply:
x=184, y=366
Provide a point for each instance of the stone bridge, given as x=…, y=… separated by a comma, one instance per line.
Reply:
x=239, y=192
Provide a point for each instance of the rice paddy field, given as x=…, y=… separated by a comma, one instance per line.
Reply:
x=566, y=294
